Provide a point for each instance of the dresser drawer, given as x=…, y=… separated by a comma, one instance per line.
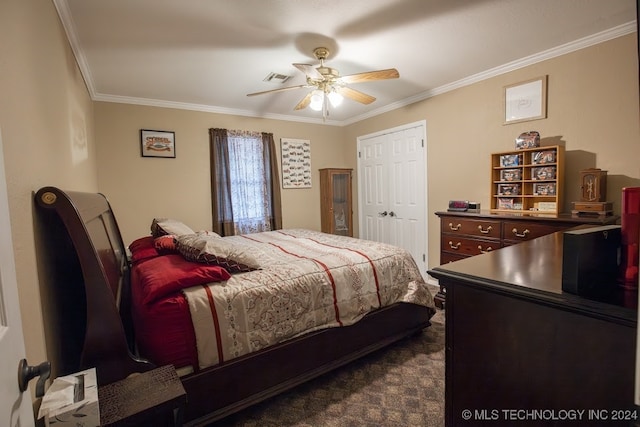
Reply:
x=454, y=244
x=470, y=227
x=447, y=257
x=463, y=235
x=516, y=231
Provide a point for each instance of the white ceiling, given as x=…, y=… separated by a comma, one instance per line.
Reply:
x=208, y=54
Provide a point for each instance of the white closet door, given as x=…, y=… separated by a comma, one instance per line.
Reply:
x=392, y=189
x=372, y=189
x=407, y=193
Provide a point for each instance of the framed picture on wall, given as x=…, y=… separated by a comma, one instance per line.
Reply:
x=525, y=101
x=296, y=163
x=157, y=143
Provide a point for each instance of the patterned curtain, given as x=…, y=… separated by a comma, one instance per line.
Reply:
x=245, y=190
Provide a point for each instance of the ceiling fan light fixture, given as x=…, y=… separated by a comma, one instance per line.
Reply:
x=317, y=99
x=335, y=98
x=329, y=87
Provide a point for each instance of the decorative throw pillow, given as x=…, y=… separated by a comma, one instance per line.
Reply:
x=164, y=275
x=143, y=248
x=165, y=244
x=208, y=249
x=164, y=226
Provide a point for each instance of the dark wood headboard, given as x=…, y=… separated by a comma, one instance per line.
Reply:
x=82, y=229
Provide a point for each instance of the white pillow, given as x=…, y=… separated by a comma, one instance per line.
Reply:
x=164, y=226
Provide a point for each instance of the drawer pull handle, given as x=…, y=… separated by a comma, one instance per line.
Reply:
x=489, y=249
x=524, y=233
x=484, y=231
x=456, y=246
x=456, y=228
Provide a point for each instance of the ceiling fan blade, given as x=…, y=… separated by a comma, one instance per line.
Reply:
x=356, y=95
x=368, y=76
x=304, y=103
x=310, y=71
x=282, y=89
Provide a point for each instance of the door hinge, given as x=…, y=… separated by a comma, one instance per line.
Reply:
x=359, y=154
x=424, y=258
x=423, y=143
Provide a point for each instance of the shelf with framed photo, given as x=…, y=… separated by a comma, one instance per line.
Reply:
x=527, y=180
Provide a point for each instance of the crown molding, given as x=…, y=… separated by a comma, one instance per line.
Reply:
x=68, y=24
x=208, y=109
x=610, y=34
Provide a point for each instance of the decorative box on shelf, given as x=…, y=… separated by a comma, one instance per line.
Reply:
x=529, y=139
x=592, y=208
x=593, y=194
x=593, y=185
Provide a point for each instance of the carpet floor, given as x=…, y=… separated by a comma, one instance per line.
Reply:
x=402, y=385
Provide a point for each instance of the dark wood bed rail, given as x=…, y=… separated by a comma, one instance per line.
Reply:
x=88, y=221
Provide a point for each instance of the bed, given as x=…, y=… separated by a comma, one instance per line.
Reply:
x=228, y=330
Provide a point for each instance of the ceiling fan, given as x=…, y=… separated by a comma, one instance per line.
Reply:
x=329, y=87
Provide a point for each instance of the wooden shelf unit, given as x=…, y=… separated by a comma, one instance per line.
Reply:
x=537, y=174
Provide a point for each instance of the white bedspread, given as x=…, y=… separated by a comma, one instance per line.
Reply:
x=307, y=281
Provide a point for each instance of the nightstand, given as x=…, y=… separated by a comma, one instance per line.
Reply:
x=155, y=397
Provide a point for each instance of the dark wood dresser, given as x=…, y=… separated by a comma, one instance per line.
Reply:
x=520, y=351
x=465, y=234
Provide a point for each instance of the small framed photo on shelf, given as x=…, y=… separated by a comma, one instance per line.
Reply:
x=543, y=157
x=510, y=175
x=543, y=173
x=509, y=160
x=157, y=143
x=508, y=189
x=546, y=189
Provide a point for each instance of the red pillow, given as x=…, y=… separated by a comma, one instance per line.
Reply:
x=165, y=244
x=143, y=248
x=164, y=275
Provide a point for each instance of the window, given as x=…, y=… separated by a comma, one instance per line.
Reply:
x=245, y=184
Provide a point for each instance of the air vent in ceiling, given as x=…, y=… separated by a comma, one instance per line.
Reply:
x=276, y=78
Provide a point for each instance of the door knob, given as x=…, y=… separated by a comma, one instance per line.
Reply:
x=382, y=213
x=392, y=213
x=26, y=373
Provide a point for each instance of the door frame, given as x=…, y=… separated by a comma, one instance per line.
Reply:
x=17, y=404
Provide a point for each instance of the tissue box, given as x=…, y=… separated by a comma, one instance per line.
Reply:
x=72, y=401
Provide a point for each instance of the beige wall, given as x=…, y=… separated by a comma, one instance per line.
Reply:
x=54, y=135
x=592, y=111
x=141, y=188
x=46, y=119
